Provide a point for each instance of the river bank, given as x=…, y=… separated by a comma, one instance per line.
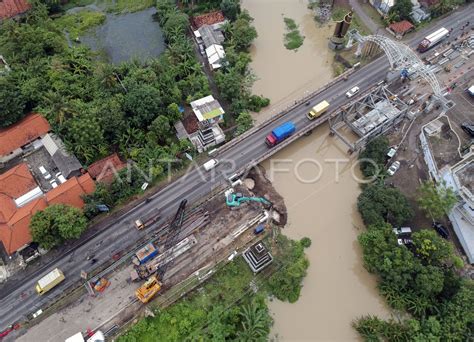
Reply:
x=337, y=289
x=284, y=74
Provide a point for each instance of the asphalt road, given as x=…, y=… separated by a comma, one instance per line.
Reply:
x=193, y=186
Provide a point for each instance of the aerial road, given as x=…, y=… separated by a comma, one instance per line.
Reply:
x=18, y=298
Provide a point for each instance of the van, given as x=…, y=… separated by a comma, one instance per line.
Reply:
x=210, y=164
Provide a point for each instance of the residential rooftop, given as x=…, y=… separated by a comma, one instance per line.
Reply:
x=12, y=8
x=30, y=128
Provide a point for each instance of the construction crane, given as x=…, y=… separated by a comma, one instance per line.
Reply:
x=153, y=285
x=234, y=200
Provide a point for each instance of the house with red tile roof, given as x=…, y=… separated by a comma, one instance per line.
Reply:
x=12, y=8
x=207, y=19
x=401, y=28
x=106, y=169
x=13, y=138
x=21, y=197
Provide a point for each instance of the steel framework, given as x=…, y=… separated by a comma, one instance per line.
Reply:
x=401, y=56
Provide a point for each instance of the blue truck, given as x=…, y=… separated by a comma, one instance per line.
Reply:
x=144, y=254
x=280, y=133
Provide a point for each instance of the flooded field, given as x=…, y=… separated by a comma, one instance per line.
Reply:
x=337, y=288
x=128, y=36
x=283, y=74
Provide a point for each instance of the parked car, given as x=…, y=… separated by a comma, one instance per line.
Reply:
x=60, y=177
x=352, y=92
x=391, y=152
x=393, y=168
x=201, y=50
x=53, y=183
x=468, y=128
x=45, y=173
x=442, y=230
x=402, y=231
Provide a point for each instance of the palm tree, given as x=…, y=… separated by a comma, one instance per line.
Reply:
x=254, y=323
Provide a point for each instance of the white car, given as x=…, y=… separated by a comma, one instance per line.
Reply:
x=393, y=168
x=352, y=92
x=45, y=173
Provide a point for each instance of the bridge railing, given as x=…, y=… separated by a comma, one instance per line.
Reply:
x=272, y=119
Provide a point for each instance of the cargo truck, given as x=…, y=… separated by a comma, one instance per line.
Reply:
x=318, y=110
x=280, y=133
x=144, y=254
x=49, y=281
x=148, y=220
x=433, y=39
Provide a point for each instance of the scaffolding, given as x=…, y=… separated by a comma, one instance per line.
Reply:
x=368, y=116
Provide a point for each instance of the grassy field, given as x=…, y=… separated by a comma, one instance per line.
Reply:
x=293, y=39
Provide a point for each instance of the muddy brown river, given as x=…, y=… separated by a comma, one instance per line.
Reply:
x=285, y=74
x=320, y=196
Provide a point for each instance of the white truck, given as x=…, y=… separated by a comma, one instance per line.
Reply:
x=434, y=38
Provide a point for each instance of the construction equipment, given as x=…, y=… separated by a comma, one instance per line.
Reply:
x=146, y=292
x=234, y=200
x=101, y=284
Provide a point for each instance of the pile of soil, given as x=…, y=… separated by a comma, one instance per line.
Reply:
x=264, y=188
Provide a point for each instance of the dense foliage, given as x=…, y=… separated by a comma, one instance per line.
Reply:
x=96, y=107
x=420, y=280
x=401, y=10
x=378, y=204
x=223, y=309
x=436, y=200
x=286, y=284
x=372, y=159
x=56, y=224
x=423, y=282
x=230, y=306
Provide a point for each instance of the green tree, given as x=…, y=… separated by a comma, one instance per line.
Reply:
x=142, y=104
x=56, y=224
x=230, y=8
x=242, y=32
x=378, y=204
x=436, y=200
x=402, y=9
x=286, y=284
x=160, y=129
x=433, y=249
x=372, y=159
x=12, y=103
x=244, y=122
x=255, y=323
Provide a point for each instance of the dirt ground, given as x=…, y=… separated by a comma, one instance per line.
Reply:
x=216, y=240
x=413, y=169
